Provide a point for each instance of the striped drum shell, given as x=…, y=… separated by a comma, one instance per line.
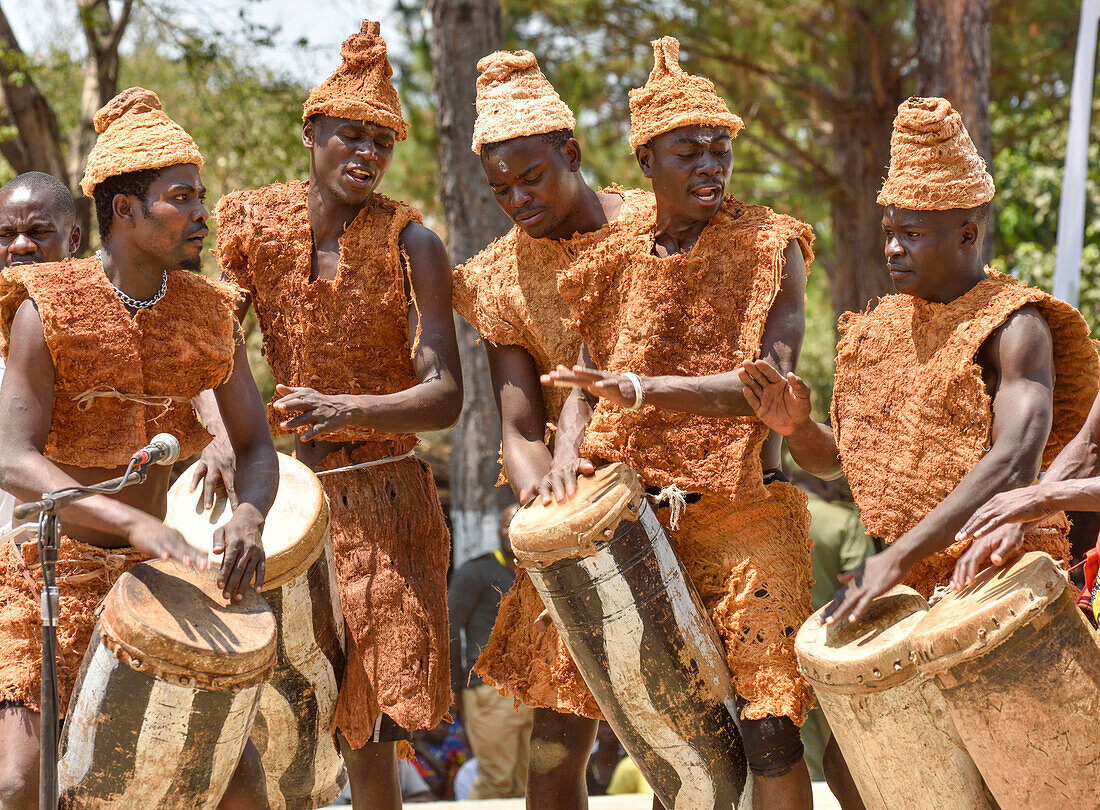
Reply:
x=293, y=729
x=166, y=695
x=635, y=626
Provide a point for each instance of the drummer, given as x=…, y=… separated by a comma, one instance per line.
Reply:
x=353, y=295
x=508, y=291
x=945, y=393
x=700, y=283
x=102, y=354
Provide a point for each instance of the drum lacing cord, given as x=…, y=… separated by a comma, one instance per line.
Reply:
x=676, y=499
x=364, y=464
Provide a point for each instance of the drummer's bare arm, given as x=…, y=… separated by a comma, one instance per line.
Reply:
x=1019, y=360
x=560, y=483
x=433, y=404
x=26, y=412
x=714, y=394
x=217, y=465
x=256, y=479
x=518, y=393
x=1071, y=483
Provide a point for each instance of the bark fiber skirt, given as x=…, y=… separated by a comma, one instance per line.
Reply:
x=391, y=549
x=85, y=574
x=751, y=566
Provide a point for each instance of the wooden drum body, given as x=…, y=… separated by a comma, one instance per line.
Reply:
x=890, y=722
x=1019, y=667
x=630, y=617
x=167, y=693
x=293, y=729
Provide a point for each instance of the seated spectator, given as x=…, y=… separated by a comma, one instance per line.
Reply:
x=440, y=751
x=413, y=786
x=627, y=779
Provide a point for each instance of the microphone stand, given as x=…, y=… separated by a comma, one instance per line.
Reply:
x=49, y=537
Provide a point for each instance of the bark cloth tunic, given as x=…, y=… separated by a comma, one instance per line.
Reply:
x=912, y=415
x=745, y=545
x=119, y=379
x=350, y=335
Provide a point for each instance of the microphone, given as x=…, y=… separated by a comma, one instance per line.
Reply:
x=163, y=450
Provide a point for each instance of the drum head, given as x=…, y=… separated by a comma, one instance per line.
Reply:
x=869, y=656
x=294, y=532
x=974, y=621
x=542, y=534
x=173, y=623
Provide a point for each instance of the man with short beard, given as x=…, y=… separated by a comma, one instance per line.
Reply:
x=103, y=353
x=353, y=297
x=963, y=384
x=524, y=135
x=668, y=311
x=37, y=220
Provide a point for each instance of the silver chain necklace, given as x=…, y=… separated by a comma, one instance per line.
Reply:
x=133, y=302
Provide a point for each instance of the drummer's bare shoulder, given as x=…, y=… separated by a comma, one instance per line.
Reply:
x=26, y=406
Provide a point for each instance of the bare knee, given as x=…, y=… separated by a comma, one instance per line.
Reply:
x=560, y=743
x=18, y=758
x=248, y=786
x=773, y=745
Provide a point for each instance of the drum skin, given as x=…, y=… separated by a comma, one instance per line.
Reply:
x=293, y=728
x=891, y=723
x=1019, y=667
x=638, y=633
x=159, y=719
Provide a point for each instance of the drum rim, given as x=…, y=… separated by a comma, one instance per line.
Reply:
x=205, y=671
x=874, y=670
x=938, y=646
x=581, y=529
x=296, y=562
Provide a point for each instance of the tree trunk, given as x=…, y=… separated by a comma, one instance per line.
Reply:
x=953, y=61
x=462, y=32
x=103, y=34
x=861, y=144
x=37, y=145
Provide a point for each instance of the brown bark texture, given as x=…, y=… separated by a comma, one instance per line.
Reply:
x=952, y=40
x=861, y=147
x=462, y=32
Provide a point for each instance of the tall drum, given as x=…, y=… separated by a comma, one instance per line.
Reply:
x=890, y=722
x=1019, y=667
x=630, y=617
x=166, y=696
x=293, y=729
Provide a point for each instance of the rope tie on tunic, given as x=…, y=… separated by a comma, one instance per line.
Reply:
x=86, y=399
x=676, y=499
x=364, y=464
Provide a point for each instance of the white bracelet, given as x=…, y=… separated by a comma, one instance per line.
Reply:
x=639, y=394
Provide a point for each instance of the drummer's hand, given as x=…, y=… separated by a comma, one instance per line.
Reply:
x=320, y=413
x=162, y=542
x=1014, y=506
x=240, y=542
x=216, y=467
x=615, y=388
x=560, y=484
x=996, y=548
x=874, y=577
x=781, y=403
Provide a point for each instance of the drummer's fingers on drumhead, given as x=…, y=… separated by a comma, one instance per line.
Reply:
x=242, y=575
x=261, y=572
x=585, y=467
x=199, y=474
